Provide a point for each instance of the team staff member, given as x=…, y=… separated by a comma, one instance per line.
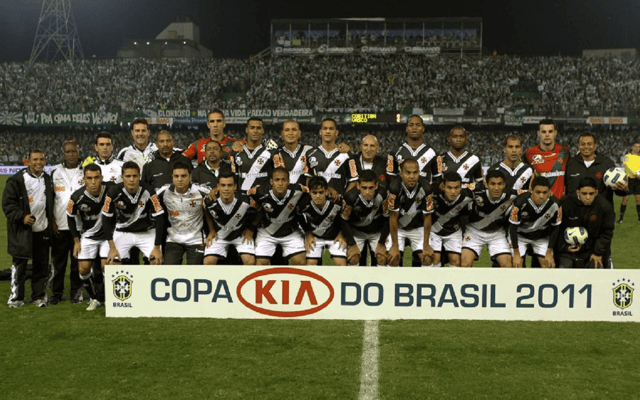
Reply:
x=67, y=177
x=548, y=158
x=133, y=210
x=210, y=169
x=158, y=171
x=27, y=202
x=588, y=163
x=588, y=209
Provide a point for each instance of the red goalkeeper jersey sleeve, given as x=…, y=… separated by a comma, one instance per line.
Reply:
x=551, y=164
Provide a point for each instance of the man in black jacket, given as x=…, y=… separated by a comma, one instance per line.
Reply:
x=587, y=208
x=157, y=172
x=27, y=202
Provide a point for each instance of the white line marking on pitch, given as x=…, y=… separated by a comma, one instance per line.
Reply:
x=369, y=369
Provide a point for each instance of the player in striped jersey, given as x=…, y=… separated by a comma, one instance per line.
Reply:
x=182, y=200
x=133, y=208
x=84, y=212
x=414, y=148
x=487, y=220
x=450, y=204
x=232, y=218
x=516, y=172
x=276, y=222
x=321, y=222
x=327, y=161
x=410, y=206
x=253, y=163
x=365, y=211
x=292, y=155
x=534, y=220
x=459, y=160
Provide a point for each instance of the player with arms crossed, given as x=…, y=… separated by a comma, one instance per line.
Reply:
x=321, y=222
x=276, y=203
x=232, y=215
x=451, y=206
x=487, y=222
x=410, y=206
x=132, y=208
x=364, y=211
x=182, y=201
x=534, y=220
x=84, y=210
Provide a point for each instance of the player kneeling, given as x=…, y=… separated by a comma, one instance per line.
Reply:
x=364, y=212
x=321, y=222
x=232, y=219
x=451, y=203
x=534, y=220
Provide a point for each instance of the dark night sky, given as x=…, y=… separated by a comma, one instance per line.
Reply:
x=241, y=27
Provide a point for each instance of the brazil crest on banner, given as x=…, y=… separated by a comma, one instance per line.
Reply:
x=623, y=295
x=122, y=286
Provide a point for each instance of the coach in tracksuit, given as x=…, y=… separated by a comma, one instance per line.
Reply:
x=27, y=202
x=587, y=208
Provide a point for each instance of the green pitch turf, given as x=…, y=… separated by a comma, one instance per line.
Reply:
x=64, y=352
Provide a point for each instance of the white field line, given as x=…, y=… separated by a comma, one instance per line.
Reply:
x=369, y=369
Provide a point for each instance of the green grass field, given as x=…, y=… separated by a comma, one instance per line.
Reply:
x=63, y=352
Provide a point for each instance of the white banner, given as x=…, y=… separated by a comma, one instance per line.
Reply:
x=12, y=169
x=371, y=293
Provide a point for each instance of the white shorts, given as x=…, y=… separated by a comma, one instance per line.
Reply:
x=539, y=246
x=496, y=242
x=361, y=238
x=452, y=243
x=144, y=241
x=334, y=249
x=89, y=248
x=220, y=247
x=415, y=236
x=266, y=244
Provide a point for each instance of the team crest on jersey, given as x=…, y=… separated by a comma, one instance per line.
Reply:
x=313, y=162
x=213, y=214
x=537, y=159
x=337, y=162
x=120, y=205
x=268, y=207
x=623, y=294
x=70, y=207
x=593, y=218
x=238, y=161
x=560, y=160
x=523, y=179
x=193, y=203
x=479, y=201
x=381, y=178
x=467, y=238
x=290, y=206
x=84, y=208
x=399, y=158
x=122, y=285
x=80, y=181
x=423, y=160
x=140, y=204
x=237, y=216
x=547, y=216
x=466, y=167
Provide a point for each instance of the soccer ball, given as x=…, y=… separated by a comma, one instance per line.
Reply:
x=576, y=235
x=613, y=176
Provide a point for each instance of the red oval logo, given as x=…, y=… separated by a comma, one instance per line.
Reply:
x=292, y=296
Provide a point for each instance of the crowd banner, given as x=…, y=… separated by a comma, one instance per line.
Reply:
x=354, y=293
x=69, y=118
x=323, y=49
x=13, y=169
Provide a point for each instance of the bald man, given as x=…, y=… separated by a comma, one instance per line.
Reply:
x=385, y=167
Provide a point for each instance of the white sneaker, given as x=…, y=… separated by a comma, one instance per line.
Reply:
x=15, y=304
x=93, y=305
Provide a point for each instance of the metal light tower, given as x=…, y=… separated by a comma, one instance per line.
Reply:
x=57, y=33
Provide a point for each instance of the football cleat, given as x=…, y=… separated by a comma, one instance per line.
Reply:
x=40, y=303
x=93, y=305
x=15, y=304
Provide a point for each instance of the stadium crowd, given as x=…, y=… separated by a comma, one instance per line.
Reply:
x=561, y=84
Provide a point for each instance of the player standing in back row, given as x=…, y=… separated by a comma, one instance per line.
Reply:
x=548, y=158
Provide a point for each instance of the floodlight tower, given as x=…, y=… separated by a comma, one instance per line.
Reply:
x=57, y=33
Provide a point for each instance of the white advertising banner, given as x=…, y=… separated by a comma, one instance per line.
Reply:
x=356, y=293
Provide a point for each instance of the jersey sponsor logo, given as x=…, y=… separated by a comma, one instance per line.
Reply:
x=156, y=203
x=107, y=203
x=441, y=166
x=537, y=159
x=59, y=188
x=174, y=213
x=514, y=214
x=353, y=169
x=391, y=201
x=390, y=163
x=70, y=207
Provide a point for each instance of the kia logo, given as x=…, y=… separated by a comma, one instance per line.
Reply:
x=285, y=292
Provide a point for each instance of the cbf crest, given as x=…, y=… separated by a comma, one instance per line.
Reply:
x=122, y=285
x=623, y=294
